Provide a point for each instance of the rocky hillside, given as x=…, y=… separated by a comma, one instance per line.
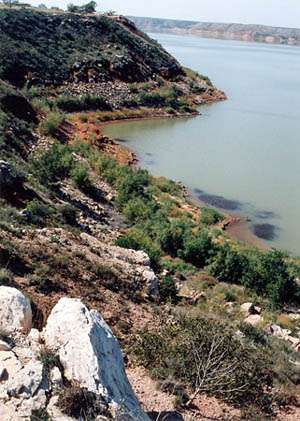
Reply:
x=207, y=326
x=54, y=48
x=233, y=31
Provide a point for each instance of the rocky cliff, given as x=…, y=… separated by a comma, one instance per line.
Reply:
x=231, y=31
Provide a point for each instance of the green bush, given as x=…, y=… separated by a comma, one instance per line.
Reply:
x=54, y=164
x=229, y=265
x=50, y=125
x=133, y=185
x=137, y=210
x=168, y=290
x=173, y=237
x=138, y=240
x=81, y=103
x=268, y=274
x=265, y=273
x=80, y=177
x=210, y=216
x=69, y=214
x=199, y=249
x=38, y=212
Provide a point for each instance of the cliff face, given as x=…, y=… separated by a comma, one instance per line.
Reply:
x=53, y=48
x=251, y=33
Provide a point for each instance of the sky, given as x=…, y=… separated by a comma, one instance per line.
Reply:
x=269, y=12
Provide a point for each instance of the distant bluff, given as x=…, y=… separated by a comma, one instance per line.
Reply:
x=56, y=47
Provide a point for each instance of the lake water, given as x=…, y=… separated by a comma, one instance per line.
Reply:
x=242, y=154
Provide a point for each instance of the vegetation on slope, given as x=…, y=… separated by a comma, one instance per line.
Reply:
x=53, y=48
x=199, y=348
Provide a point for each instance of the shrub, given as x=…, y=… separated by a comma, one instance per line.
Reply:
x=78, y=402
x=137, y=240
x=205, y=356
x=210, y=216
x=81, y=103
x=133, y=185
x=69, y=214
x=137, y=210
x=229, y=265
x=80, y=177
x=38, y=212
x=49, y=126
x=269, y=275
x=54, y=164
x=168, y=290
x=40, y=415
x=199, y=249
x=49, y=359
x=173, y=237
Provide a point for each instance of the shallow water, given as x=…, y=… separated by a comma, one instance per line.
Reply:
x=243, y=154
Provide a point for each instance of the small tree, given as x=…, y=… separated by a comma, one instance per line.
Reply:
x=86, y=8
x=10, y=3
x=90, y=7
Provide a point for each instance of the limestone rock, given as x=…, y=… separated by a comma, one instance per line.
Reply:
x=15, y=311
x=253, y=319
x=152, y=284
x=284, y=334
x=250, y=308
x=90, y=354
x=56, y=378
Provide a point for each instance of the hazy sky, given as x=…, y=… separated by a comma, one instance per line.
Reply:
x=270, y=12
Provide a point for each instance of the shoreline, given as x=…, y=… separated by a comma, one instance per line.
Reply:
x=235, y=225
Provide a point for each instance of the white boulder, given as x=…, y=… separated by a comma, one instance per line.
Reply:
x=90, y=354
x=15, y=311
x=253, y=319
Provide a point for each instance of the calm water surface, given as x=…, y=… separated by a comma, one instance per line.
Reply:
x=242, y=154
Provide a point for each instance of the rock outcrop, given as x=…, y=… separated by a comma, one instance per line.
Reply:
x=15, y=311
x=90, y=354
x=76, y=349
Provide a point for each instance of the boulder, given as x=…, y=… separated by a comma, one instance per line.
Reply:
x=90, y=354
x=250, y=308
x=15, y=311
x=152, y=284
x=253, y=319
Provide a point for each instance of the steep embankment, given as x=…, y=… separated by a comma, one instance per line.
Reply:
x=230, y=31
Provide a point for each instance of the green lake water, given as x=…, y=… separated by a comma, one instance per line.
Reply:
x=242, y=155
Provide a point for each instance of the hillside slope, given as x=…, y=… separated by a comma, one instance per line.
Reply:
x=53, y=48
x=233, y=31
x=76, y=221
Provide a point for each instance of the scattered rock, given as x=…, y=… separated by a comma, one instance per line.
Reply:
x=15, y=311
x=284, y=334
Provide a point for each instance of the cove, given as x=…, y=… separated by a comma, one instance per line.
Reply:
x=241, y=155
